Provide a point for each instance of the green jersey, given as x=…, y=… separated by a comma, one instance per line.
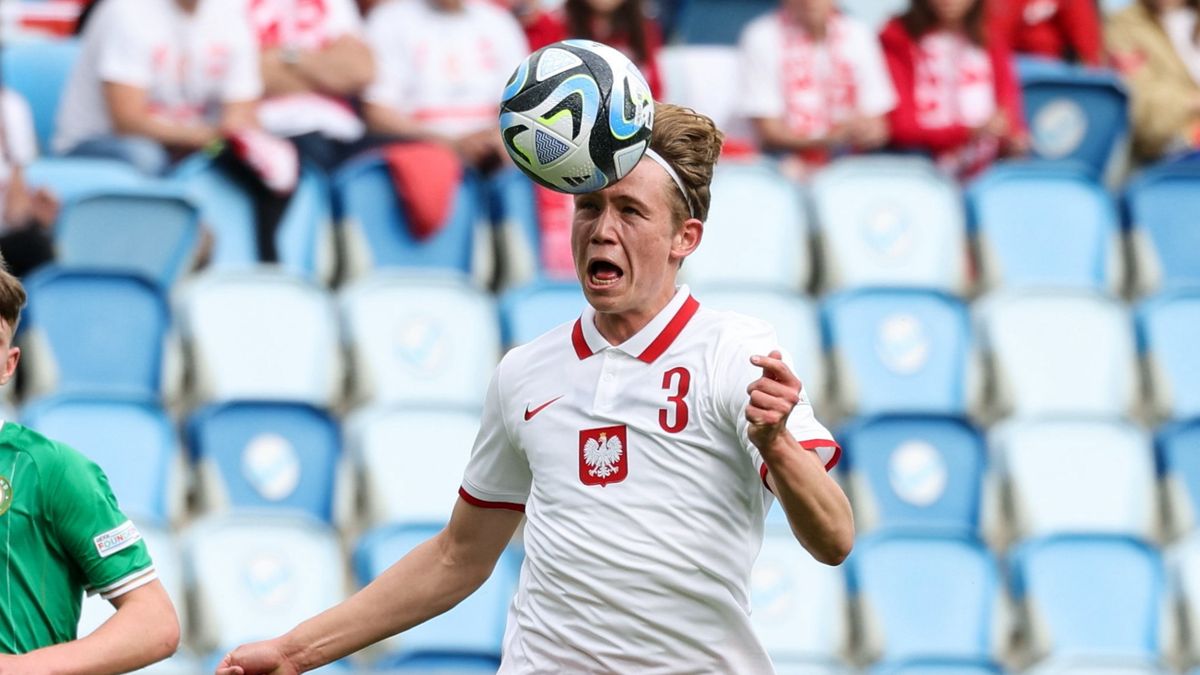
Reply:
x=61, y=533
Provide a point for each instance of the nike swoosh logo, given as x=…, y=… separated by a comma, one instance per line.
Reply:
x=530, y=413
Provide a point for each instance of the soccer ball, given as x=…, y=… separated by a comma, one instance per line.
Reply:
x=576, y=116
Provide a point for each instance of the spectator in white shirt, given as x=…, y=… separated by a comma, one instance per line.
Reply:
x=26, y=214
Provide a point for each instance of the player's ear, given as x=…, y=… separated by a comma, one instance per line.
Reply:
x=687, y=238
x=10, y=365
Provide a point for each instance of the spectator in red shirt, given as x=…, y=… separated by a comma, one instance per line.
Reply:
x=958, y=94
x=1068, y=30
x=622, y=24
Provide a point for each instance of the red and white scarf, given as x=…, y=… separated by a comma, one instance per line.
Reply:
x=955, y=86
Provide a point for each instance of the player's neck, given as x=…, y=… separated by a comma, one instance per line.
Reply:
x=617, y=327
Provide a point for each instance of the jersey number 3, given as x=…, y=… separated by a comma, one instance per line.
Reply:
x=676, y=380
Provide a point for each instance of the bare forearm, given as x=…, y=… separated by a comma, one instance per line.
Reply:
x=344, y=68
x=278, y=77
x=817, y=509
x=774, y=135
x=386, y=121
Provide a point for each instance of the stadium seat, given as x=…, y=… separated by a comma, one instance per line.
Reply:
x=146, y=230
x=438, y=664
x=1112, y=487
x=1046, y=226
x=1167, y=328
x=70, y=178
x=38, y=70
x=97, y=332
x=1184, y=569
x=165, y=554
x=787, y=667
x=874, y=13
x=526, y=313
x=1092, y=596
x=377, y=230
x=260, y=336
x=1059, y=352
x=304, y=239
x=1178, y=450
x=131, y=439
x=752, y=204
x=269, y=456
x=800, y=610
x=253, y=577
x=1096, y=666
x=410, y=460
x=717, y=22
x=420, y=339
x=938, y=667
x=890, y=221
x=474, y=627
x=1163, y=203
x=1075, y=115
x=917, y=472
x=900, y=351
x=926, y=596
x=795, y=320
x=513, y=208
x=1113, y=6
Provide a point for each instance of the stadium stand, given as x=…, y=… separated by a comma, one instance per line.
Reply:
x=38, y=69
x=1166, y=340
x=1184, y=569
x=1162, y=203
x=717, y=22
x=526, y=313
x=937, y=667
x=73, y=177
x=1178, y=452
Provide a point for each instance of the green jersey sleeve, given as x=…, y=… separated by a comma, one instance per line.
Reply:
x=90, y=527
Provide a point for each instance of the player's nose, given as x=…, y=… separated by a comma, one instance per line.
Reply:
x=604, y=229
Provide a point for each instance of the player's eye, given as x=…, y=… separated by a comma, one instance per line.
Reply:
x=632, y=211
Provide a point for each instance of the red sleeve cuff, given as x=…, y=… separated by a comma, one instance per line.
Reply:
x=808, y=445
x=485, y=504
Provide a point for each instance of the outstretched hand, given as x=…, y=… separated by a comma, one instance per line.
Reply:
x=259, y=658
x=772, y=398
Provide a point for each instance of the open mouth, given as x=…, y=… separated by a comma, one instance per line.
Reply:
x=603, y=273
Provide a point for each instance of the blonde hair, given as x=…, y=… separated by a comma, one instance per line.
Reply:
x=691, y=143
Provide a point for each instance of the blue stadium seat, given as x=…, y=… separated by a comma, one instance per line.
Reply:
x=131, y=439
x=420, y=339
x=717, y=22
x=926, y=596
x=752, y=204
x=1076, y=115
x=39, y=69
x=788, y=667
x=410, y=460
x=261, y=336
x=1167, y=328
x=800, y=609
x=99, y=332
x=377, y=229
x=1112, y=487
x=70, y=178
x=890, y=221
x=1046, y=226
x=1178, y=451
x=1042, y=366
x=439, y=664
x=146, y=230
x=938, y=667
x=526, y=313
x=795, y=320
x=1184, y=562
x=900, y=351
x=921, y=472
x=1090, y=596
x=252, y=577
x=1097, y=666
x=474, y=627
x=268, y=456
x=513, y=208
x=1163, y=205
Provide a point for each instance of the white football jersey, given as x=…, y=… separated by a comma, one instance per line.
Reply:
x=643, y=495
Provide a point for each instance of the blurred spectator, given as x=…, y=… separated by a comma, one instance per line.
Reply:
x=1068, y=30
x=541, y=27
x=26, y=215
x=958, y=94
x=313, y=60
x=158, y=78
x=1156, y=46
x=622, y=24
x=815, y=82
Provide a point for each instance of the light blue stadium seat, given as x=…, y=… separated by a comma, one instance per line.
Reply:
x=1096, y=666
x=875, y=13
x=1076, y=115
x=1163, y=206
x=70, y=178
x=1046, y=226
x=131, y=439
x=439, y=664
x=717, y=22
x=915, y=472
x=1090, y=596
x=938, y=667
x=1167, y=328
x=152, y=231
x=789, y=667
x=410, y=460
x=890, y=221
x=1183, y=560
x=420, y=338
x=795, y=320
x=800, y=608
x=900, y=351
x=268, y=456
x=377, y=230
x=261, y=335
x=926, y=596
x=39, y=69
x=474, y=627
x=252, y=577
x=752, y=204
x=99, y=332
x=1059, y=352
x=1110, y=462
x=526, y=313
x=1178, y=451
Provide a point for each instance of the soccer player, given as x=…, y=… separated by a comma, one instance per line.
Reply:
x=61, y=533
x=642, y=442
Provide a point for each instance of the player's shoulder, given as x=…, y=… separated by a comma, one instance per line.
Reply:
x=726, y=333
x=553, y=344
x=51, y=456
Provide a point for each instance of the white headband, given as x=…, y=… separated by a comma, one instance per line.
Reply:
x=674, y=176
